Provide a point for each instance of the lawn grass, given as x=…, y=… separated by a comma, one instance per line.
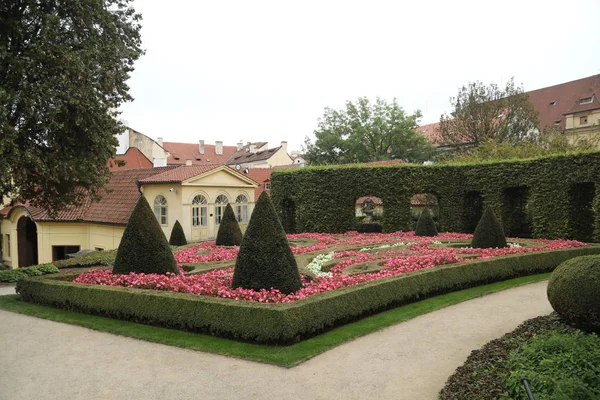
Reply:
x=286, y=356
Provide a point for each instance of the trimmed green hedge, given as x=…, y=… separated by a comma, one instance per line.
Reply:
x=284, y=323
x=89, y=260
x=550, y=197
x=18, y=274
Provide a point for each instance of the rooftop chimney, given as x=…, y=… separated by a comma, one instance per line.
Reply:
x=219, y=148
x=159, y=140
x=240, y=145
x=284, y=146
x=252, y=148
x=201, y=147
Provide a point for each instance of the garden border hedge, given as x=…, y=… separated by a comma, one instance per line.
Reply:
x=322, y=198
x=283, y=323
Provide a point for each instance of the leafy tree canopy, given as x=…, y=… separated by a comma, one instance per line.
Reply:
x=482, y=113
x=365, y=132
x=63, y=68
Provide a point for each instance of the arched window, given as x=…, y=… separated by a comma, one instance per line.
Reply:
x=160, y=209
x=241, y=209
x=199, y=211
x=220, y=204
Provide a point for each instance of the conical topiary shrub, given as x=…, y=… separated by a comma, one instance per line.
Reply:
x=177, y=236
x=265, y=259
x=489, y=232
x=229, y=233
x=425, y=225
x=144, y=247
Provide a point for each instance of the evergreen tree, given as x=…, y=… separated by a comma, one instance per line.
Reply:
x=229, y=233
x=144, y=247
x=177, y=236
x=425, y=225
x=489, y=232
x=265, y=259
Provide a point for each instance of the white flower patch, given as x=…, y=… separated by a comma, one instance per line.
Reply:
x=317, y=263
x=514, y=245
x=386, y=246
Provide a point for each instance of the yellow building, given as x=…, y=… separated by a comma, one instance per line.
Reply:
x=194, y=195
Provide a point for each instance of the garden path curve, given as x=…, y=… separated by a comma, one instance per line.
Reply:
x=47, y=360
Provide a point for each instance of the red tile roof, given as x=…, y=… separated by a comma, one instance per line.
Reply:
x=261, y=176
x=244, y=156
x=376, y=200
x=179, y=174
x=191, y=151
x=119, y=197
x=552, y=103
x=134, y=159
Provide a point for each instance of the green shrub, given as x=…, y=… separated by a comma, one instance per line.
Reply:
x=284, y=323
x=229, y=233
x=92, y=259
x=574, y=292
x=559, y=366
x=17, y=274
x=369, y=228
x=425, y=225
x=265, y=259
x=177, y=236
x=144, y=247
x=489, y=232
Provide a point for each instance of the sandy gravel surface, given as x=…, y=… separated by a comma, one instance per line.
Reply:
x=42, y=359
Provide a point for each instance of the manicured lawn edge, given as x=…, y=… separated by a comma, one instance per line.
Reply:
x=286, y=356
x=287, y=323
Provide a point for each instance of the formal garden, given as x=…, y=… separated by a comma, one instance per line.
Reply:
x=302, y=279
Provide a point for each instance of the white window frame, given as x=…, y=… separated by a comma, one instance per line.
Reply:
x=220, y=203
x=161, y=210
x=199, y=211
x=241, y=209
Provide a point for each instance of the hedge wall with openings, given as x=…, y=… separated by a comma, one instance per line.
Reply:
x=288, y=322
x=548, y=197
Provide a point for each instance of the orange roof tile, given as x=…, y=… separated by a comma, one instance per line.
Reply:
x=261, y=176
x=376, y=200
x=181, y=152
x=134, y=159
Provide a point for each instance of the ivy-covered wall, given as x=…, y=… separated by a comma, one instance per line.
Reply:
x=549, y=197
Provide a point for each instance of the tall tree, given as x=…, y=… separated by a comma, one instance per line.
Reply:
x=481, y=113
x=366, y=131
x=63, y=68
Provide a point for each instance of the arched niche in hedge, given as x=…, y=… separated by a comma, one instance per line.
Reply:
x=287, y=213
x=581, y=211
x=472, y=210
x=516, y=216
x=420, y=202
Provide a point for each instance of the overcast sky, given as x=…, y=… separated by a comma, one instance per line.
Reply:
x=265, y=70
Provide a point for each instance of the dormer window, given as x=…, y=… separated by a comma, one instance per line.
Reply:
x=557, y=122
x=552, y=103
x=586, y=100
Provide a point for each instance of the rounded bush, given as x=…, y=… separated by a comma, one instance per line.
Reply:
x=177, y=235
x=229, y=233
x=489, y=232
x=425, y=225
x=574, y=292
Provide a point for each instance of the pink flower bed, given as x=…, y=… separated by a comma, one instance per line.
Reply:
x=395, y=261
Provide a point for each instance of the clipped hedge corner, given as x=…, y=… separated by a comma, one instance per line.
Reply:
x=229, y=233
x=489, y=232
x=425, y=225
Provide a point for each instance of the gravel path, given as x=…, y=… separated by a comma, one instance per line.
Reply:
x=42, y=359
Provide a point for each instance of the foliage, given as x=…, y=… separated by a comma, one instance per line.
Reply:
x=229, y=233
x=559, y=366
x=63, y=72
x=484, y=374
x=366, y=131
x=369, y=228
x=144, y=247
x=425, y=225
x=493, y=150
x=324, y=197
x=93, y=259
x=177, y=236
x=17, y=274
x=265, y=259
x=574, y=292
x=483, y=112
x=279, y=323
x=489, y=232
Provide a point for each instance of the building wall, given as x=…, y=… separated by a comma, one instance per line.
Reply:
x=147, y=146
x=82, y=234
